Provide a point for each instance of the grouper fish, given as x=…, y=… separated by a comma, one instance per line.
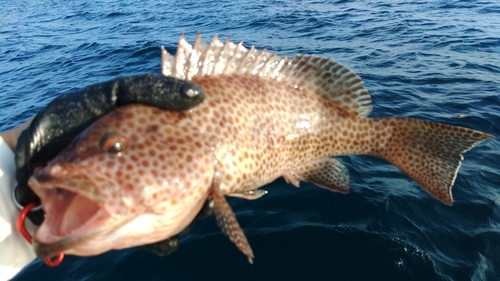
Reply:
x=139, y=175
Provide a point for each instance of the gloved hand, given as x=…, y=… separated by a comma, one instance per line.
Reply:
x=65, y=117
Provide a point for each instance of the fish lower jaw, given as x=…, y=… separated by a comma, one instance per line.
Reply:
x=70, y=218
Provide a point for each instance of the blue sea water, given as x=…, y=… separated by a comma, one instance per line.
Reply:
x=426, y=59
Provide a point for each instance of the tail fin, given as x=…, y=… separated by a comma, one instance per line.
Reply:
x=430, y=153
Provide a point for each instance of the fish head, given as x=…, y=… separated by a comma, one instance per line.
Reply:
x=134, y=177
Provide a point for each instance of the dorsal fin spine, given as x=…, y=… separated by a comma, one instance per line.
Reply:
x=184, y=49
x=166, y=62
x=232, y=61
x=207, y=64
x=192, y=67
x=200, y=46
x=269, y=65
x=226, y=53
x=247, y=60
x=219, y=58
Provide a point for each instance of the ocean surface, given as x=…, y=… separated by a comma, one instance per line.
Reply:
x=432, y=60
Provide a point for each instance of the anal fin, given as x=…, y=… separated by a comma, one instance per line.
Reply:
x=325, y=172
x=226, y=220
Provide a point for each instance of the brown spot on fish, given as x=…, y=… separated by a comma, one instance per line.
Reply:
x=152, y=128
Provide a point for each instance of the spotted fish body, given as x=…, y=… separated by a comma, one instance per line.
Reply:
x=146, y=172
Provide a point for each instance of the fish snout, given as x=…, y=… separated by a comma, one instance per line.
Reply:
x=58, y=170
x=49, y=177
x=41, y=183
x=39, y=180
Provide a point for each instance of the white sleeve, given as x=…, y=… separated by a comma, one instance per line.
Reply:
x=15, y=252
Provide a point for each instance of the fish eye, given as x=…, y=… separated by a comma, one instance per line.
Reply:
x=113, y=143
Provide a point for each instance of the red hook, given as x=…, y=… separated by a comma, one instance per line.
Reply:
x=27, y=236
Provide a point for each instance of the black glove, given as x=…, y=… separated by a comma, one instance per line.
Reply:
x=65, y=117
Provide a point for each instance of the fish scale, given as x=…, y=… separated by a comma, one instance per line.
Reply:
x=148, y=172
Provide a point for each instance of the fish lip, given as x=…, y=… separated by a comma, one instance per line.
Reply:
x=47, y=181
x=46, y=250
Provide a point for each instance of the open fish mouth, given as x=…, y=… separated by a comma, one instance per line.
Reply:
x=71, y=218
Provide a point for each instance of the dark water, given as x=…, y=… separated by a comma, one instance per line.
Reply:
x=429, y=59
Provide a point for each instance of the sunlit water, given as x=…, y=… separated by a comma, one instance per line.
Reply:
x=432, y=60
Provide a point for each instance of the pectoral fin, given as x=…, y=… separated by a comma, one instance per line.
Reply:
x=227, y=221
x=326, y=173
x=291, y=178
x=249, y=194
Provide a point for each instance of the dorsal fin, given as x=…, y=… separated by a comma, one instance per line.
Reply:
x=318, y=75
